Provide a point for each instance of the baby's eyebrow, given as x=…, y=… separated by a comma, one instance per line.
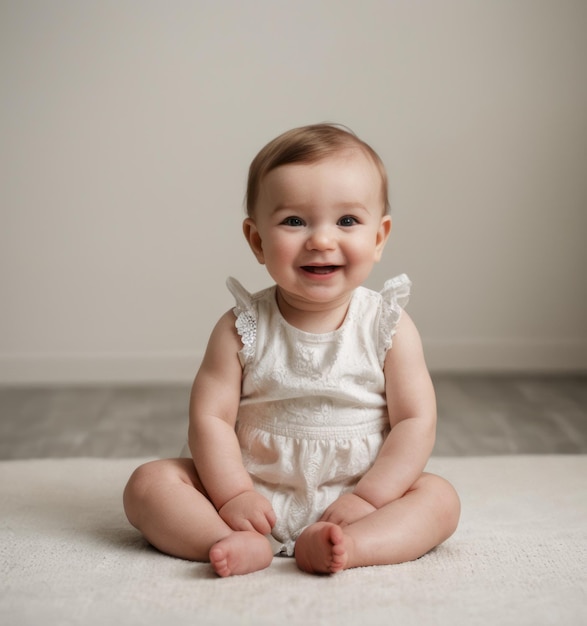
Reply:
x=288, y=207
x=342, y=206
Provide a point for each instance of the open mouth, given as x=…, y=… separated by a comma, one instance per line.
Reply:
x=320, y=269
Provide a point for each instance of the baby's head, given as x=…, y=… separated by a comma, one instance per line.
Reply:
x=317, y=213
x=308, y=144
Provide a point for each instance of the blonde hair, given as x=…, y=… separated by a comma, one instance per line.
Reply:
x=307, y=144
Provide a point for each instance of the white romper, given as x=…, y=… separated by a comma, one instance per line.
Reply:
x=313, y=413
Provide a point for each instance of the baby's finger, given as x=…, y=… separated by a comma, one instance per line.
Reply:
x=334, y=517
x=241, y=523
x=262, y=525
x=272, y=518
x=329, y=515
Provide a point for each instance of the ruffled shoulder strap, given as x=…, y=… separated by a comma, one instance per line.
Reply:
x=395, y=295
x=246, y=317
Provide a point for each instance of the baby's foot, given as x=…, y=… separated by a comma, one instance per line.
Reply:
x=240, y=553
x=321, y=549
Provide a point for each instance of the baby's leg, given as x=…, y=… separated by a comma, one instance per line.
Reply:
x=166, y=501
x=401, y=531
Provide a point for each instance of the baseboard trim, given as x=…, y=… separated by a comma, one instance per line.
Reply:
x=442, y=356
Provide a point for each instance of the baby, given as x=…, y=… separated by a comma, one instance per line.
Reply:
x=312, y=416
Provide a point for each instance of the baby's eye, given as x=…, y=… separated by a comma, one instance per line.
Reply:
x=293, y=221
x=347, y=220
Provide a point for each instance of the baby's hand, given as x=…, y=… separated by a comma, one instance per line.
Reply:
x=249, y=511
x=347, y=509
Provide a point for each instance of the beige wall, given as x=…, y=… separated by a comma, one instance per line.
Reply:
x=127, y=129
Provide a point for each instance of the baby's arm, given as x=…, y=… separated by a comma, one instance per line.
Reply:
x=411, y=405
x=213, y=443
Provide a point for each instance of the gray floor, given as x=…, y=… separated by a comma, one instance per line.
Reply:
x=478, y=415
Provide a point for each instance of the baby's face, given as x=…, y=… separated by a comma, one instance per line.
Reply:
x=320, y=227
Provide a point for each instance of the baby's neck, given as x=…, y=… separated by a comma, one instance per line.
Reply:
x=316, y=318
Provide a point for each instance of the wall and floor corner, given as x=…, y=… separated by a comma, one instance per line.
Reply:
x=127, y=133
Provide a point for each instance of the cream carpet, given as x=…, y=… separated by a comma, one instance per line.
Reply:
x=68, y=556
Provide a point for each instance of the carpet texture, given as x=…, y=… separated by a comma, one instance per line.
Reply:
x=68, y=556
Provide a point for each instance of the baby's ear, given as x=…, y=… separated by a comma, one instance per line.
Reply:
x=254, y=239
x=382, y=236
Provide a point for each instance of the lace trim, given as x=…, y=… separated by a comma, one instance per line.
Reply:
x=246, y=320
x=395, y=295
x=246, y=326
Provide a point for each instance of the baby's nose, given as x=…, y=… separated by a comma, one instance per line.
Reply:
x=320, y=239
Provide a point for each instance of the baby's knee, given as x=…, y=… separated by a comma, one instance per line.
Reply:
x=446, y=502
x=450, y=506
x=137, y=490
